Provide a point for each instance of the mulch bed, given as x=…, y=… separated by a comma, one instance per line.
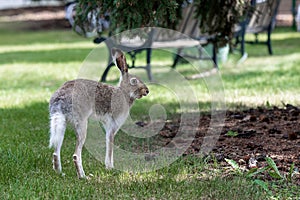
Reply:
x=258, y=133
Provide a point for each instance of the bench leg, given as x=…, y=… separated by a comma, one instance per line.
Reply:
x=269, y=43
x=256, y=38
x=148, y=67
x=176, y=59
x=214, y=56
x=104, y=75
x=243, y=41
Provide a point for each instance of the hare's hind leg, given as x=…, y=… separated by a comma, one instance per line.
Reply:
x=57, y=131
x=81, y=131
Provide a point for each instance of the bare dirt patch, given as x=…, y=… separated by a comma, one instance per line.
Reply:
x=252, y=134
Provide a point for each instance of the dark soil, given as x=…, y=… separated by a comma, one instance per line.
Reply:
x=253, y=134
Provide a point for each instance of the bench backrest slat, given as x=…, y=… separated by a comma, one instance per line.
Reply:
x=264, y=15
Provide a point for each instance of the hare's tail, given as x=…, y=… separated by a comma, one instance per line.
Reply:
x=57, y=129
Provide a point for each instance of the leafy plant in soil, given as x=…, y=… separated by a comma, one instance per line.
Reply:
x=268, y=177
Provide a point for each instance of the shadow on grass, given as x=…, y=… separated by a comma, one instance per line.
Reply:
x=11, y=34
x=280, y=47
x=49, y=56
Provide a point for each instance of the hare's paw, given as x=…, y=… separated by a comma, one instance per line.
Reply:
x=109, y=165
x=78, y=166
x=56, y=163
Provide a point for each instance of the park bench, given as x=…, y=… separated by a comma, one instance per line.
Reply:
x=261, y=21
x=186, y=35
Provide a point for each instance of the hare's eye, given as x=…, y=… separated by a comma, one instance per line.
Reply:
x=133, y=81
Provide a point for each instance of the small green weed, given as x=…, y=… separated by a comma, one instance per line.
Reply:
x=259, y=177
x=232, y=133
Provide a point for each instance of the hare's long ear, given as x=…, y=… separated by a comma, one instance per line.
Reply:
x=119, y=59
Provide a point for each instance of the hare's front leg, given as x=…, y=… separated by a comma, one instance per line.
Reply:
x=110, y=134
x=81, y=131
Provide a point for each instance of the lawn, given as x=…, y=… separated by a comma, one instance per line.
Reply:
x=34, y=64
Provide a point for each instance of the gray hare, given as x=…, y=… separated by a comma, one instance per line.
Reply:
x=78, y=100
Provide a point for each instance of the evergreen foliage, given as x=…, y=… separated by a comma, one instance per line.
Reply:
x=217, y=17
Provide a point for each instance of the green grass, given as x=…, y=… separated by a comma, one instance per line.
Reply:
x=34, y=64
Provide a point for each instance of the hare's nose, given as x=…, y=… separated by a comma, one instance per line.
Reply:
x=145, y=91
